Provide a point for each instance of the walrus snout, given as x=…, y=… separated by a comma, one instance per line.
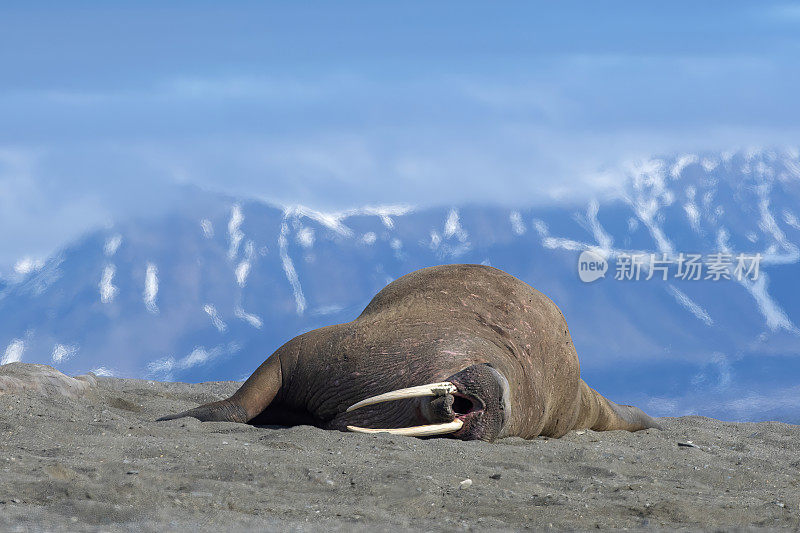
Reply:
x=482, y=402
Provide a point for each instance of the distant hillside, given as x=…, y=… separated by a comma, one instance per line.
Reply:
x=210, y=290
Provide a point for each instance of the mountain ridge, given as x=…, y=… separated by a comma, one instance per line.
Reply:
x=210, y=289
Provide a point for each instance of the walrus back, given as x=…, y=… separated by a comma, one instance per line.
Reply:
x=438, y=285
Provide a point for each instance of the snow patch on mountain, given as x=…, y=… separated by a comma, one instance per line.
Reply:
x=649, y=194
x=112, y=245
x=253, y=320
x=200, y=355
x=41, y=278
x=435, y=241
x=242, y=270
x=289, y=270
x=709, y=163
x=690, y=207
x=107, y=289
x=385, y=212
x=331, y=220
x=791, y=219
x=212, y=312
x=554, y=243
x=454, y=239
x=13, y=352
x=335, y=220
x=208, y=228
x=516, y=223
x=604, y=241
x=151, y=288
x=62, y=352
x=452, y=226
x=793, y=166
x=26, y=265
x=681, y=163
x=775, y=316
x=769, y=226
x=326, y=310
x=235, y=233
x=305, y=237
x=690, y=305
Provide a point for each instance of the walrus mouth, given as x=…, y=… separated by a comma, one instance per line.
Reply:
x=431, y=389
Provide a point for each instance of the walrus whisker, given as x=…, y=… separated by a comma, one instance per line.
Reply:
x=431, y=389
x=415, y=431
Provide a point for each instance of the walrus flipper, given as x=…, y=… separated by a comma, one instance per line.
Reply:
x=601, y=414
x=634, y=418
x=222, y=411
x=246, y=403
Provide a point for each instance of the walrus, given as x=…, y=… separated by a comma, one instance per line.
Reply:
x=466, y=351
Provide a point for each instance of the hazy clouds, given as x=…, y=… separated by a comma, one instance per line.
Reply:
x=105, y=109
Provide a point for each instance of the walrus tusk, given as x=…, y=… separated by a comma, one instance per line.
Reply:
x=415, y=431
x=431, y=389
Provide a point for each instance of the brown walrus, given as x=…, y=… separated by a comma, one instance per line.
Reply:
x=464, y=350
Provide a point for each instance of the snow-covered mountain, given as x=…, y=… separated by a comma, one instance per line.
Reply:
x=210, y=290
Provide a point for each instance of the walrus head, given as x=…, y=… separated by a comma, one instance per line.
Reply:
x=472, y=404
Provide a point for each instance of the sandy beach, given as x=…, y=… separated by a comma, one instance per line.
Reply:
x=95, y=460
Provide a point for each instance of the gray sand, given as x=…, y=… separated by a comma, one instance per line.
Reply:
x=100, y=462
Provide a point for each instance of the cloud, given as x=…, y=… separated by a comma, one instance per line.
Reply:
x=353, y=134
x=286, y=89
x=49, y=196
x=277, y=91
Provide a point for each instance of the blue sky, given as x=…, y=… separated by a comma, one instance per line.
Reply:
x=104, y=107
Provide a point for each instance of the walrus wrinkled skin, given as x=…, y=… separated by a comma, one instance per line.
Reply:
x=498, y=353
